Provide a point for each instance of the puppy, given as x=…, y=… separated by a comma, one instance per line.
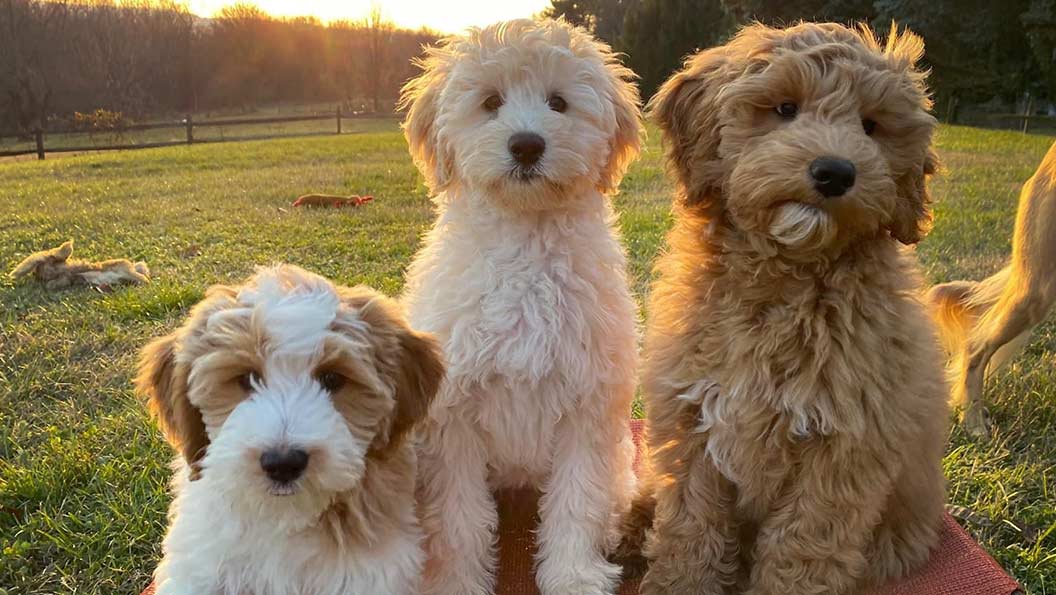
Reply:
x=56, y=270
x=793, y=384
x=985, y=323
x=520, y=128
x=290, y=401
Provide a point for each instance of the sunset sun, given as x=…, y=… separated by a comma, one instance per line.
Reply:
x=447, y=17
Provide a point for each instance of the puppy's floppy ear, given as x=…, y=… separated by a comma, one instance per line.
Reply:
x=912, y=217
x=627, y=139
x=420, y=97
x=64, y=251
x=164, y=383
x=687, y=110
x=418, y=378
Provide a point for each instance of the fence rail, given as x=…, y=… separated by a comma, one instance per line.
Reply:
x=189, y=125
x=1025, y=120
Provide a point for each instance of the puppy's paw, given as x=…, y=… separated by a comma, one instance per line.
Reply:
x=976, y=420
x=572, y=577
x=176, y=587
x=456, y=585
x=674, y=577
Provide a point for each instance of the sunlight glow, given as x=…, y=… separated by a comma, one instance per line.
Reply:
x=446, y=16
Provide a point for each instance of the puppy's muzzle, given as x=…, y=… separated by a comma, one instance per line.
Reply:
x=284, y=466
x=832, y=177
x=526, y=148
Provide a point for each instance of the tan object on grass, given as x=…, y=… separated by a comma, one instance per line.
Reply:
x=56, y=270
x=331, y=200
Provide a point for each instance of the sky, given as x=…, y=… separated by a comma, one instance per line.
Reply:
x=446, y=16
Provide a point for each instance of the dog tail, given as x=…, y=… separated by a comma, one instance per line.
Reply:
x=961, y=309
x=948, y=303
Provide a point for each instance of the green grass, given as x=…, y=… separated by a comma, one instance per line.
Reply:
x=82, y=470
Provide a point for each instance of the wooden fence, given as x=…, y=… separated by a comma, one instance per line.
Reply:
x=189, y=125
x=1025, y=120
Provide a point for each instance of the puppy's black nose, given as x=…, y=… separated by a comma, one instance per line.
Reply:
x=284, y=465
x=832, y=176
x=526, y=147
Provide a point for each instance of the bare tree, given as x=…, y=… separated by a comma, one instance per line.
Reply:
x=31, y=47
x=152, y=57
x=379, y=35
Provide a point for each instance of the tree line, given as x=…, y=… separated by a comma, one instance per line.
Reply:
x=979, y=51
x=144, y=58
x=148, y=57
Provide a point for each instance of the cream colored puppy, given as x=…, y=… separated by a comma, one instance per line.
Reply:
x=520, y=129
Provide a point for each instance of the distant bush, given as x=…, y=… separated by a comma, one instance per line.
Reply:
x=101, y=122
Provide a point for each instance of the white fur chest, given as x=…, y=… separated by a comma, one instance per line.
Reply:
x=535, y=315
x=212, y=550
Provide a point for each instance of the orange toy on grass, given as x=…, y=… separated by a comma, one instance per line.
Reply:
x=331, y=200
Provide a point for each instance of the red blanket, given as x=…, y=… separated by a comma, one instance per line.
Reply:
x=957, y=567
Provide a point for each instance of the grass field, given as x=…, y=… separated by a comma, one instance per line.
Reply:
x=83, y=471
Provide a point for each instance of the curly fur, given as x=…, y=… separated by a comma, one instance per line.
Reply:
x=56, y=270
x=793, y=384
x=244, y=376
x=523, y=280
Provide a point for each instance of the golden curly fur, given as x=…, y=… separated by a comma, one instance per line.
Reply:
x=794, y=388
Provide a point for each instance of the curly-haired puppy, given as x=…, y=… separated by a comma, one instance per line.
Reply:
x=793, y=383
x=520, y=129
x=290, y=401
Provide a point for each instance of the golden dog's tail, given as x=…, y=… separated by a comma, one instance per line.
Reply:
x=962, y=309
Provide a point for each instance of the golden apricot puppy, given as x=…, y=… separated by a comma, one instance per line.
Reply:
x=793, y=382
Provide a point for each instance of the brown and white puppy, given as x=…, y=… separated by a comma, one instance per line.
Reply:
x=793, y=383
x=290, y=401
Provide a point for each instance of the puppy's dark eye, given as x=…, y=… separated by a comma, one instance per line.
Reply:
x=493, y=103
x=869, y=126
x=787, y=110
x=247, y=380
x=331, y=381
x=557, y=103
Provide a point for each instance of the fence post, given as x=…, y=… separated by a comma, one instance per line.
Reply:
x=1027, y=114
x=339, y=119
x=40, y=144
x=951, y=110
x=190, y=130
